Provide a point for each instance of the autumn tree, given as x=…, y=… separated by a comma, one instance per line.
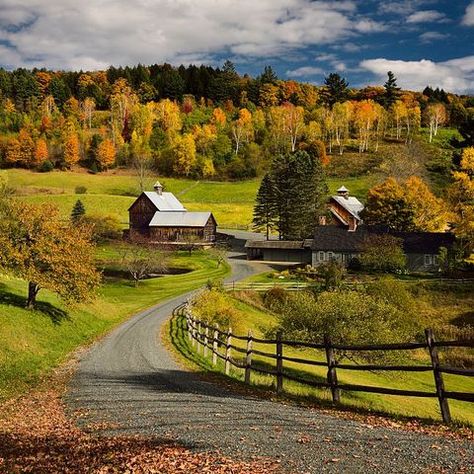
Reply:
x=184, y=154
x=342, y=116
x=435, y=116
x=409, y=206
x=142, y=260
x=41, y=152
x=40, y=247
x=106, y=153
x=71, y=148
x=242, y=129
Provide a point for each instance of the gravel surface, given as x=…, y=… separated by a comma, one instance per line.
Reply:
x=129, y=384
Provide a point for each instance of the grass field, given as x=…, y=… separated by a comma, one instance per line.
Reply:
x=112, y=193
x=258, y=321
x=34, y=342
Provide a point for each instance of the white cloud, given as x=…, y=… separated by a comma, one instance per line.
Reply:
x=468, y=18
x=430, y=36
x=91, y=34
x=455, y=75
x=426, y=16
x=305, y=71
x=401, y=7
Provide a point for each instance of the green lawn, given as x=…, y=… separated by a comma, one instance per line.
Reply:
x=258, y=321
x=108, y=193
x=34, y=342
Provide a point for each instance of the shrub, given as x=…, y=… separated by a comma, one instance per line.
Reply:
x=393, y=292
x=104, y=227
x=46, y=166
x=80, y=190
x=333, y=273
x=348, y=317
x=382, y=253
x=275, y=298
x=215, y=307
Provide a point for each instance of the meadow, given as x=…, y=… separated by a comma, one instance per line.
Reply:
x=114, y=191
x=33, y=342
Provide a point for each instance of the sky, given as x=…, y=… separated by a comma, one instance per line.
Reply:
x=424, y=42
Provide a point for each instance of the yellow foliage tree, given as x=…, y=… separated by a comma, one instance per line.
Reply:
x=13, y=152
x=168, y=116
x=71, y=149
x=184, y=154
x=106, y=153
x=41, y=152
x=48, y=252
x=219, y=117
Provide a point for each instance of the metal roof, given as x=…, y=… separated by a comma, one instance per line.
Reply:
x=180, y=219
x=164, y=201
x=278, y=244
x=351, y=204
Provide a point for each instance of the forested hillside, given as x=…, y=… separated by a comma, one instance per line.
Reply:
x=203, y=122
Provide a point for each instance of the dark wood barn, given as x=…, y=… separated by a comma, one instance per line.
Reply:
x=159, y=217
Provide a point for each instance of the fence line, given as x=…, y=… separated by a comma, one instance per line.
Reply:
x=209, y=338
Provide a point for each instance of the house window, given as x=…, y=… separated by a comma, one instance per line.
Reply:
x=330, y=255
x=435, y=260
x=321, y=256
x=428, y=260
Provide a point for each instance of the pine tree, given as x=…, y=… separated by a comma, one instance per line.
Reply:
x=391, y=90
x=78, y=212
x=265, y=210
x=335, y=89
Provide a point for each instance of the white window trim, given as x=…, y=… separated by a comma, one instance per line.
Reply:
x=428, y=260
x=321, y=256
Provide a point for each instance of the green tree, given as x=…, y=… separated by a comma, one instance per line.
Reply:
x=335, y=89
x=78, y=212
x=265, y=210
x=392, y=91
x=382, y=253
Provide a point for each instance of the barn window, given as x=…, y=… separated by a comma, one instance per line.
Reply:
x=321, y=256
x=428, y=260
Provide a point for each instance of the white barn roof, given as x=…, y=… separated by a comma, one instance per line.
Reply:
x=165, y=201
x=351, y=204
x=180, y=219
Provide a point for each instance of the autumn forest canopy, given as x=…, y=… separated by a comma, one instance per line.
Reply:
x=200, y=121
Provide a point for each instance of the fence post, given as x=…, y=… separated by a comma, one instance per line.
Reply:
x=248, y=358
x=279, y=362
x=227, y=351
x=194, y=331
x=190, y=328
x=215, y=341
x=438, y=377
x=199, y=342
x=332, y=374
x=206, y=340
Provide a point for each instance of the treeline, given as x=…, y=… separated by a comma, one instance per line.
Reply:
x=201, y=121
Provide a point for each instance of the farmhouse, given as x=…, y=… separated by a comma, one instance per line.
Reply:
x=341, y=235
x=159, y=217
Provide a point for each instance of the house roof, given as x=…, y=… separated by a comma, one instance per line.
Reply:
x=279, y=244
x=164, y=201
x=180, y=219
x=338, y=239
x=350, y=204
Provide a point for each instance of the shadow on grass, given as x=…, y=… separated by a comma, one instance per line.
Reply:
x=57, y=315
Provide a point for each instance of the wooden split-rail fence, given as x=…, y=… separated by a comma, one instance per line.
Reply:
x=211, y=340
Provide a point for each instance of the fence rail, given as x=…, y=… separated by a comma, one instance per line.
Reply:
x=207, y=338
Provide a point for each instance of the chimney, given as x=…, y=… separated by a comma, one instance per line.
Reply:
x=322, y=220
x=343, y=191
x=158, y=188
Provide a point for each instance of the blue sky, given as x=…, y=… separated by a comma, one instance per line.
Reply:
x=422, y=41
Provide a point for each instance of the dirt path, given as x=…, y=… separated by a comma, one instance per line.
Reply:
x=130, y=383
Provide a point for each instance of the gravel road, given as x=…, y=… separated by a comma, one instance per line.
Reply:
x=128, y=383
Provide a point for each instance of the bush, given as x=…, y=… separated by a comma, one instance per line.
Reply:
x=80, y=190
x=275, y=298
x=46, y=166
x=104, y=227
x=382, y=253
x=333, y=273
x=215, y=307
x=347, y=317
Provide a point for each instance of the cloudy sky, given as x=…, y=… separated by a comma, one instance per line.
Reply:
x=422, y=41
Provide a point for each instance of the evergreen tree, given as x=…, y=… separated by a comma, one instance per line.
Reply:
x=265, y=211
x=299, y=193
x=268, y=76
x=335, y=89
x=391, y=90
x=78, y=212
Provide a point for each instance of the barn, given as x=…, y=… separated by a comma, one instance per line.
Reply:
x=159, y=217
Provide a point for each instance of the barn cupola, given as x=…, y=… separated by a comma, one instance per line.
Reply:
x=343, y=191
x=158, y=188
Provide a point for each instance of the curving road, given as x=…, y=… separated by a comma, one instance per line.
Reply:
x=130, y=384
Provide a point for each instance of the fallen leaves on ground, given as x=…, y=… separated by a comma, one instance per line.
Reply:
x=36, y=436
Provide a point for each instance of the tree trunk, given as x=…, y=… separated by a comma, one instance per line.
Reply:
x=33, y=289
